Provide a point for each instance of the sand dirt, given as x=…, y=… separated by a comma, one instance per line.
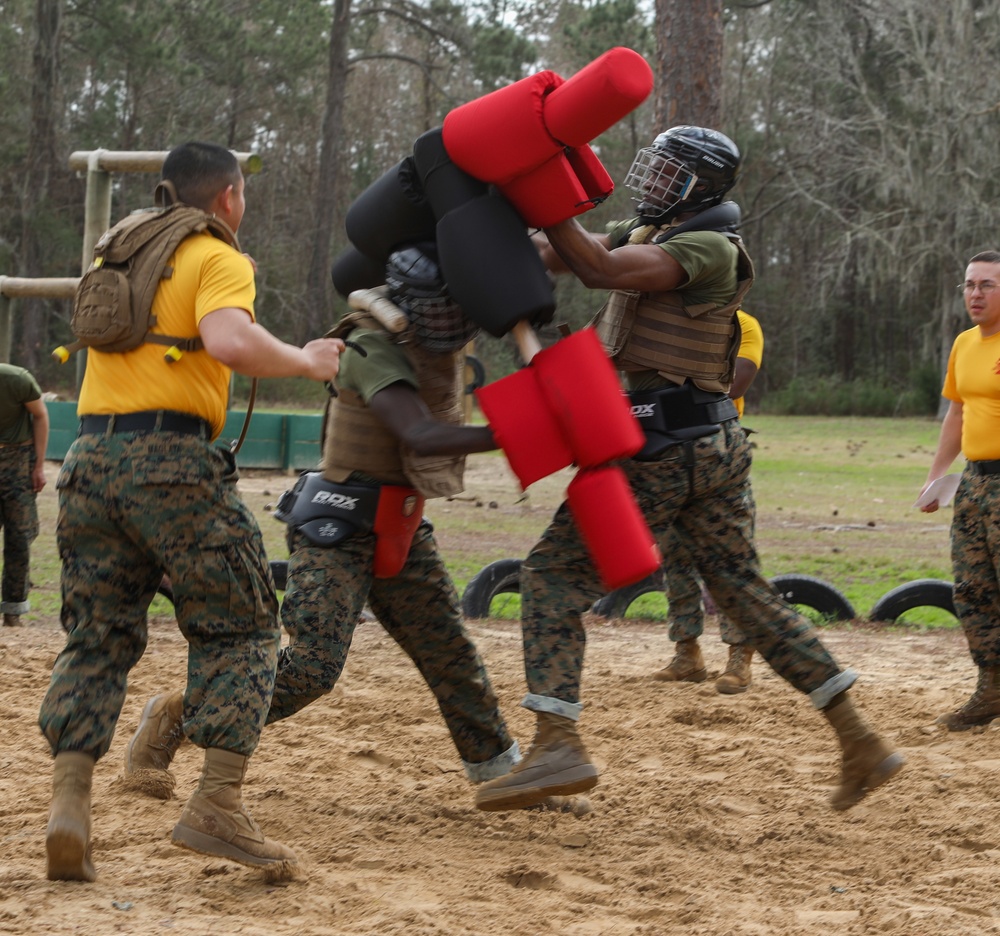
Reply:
x=710, y=818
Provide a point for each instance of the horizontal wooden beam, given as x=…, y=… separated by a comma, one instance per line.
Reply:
x=55, y=287
x=150, y=161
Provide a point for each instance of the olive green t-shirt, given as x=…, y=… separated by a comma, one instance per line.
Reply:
x=385, y=365
x=17, y=387
x=710, y=261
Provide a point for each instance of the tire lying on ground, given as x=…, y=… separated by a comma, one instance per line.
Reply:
x=816, y=594
x=922, y=593
x=498, y=578
x=614, y=604
x=795, y=589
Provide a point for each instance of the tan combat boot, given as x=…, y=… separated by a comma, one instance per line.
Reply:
x=688, y=665
x=983, y=706
x=868, y=761
x=152, y=747
x=556, y=765
x=736, y=677
x=215, y=822
x=67, y=838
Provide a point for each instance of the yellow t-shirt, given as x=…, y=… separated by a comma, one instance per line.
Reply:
x=973, y=379
x=751, y=345
x=207, y=275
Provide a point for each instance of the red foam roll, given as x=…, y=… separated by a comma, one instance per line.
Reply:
x=524, y=427
x=598, y=96
x=565, y=186
x=582, y=389
x=502, y=134
x=612, y=526
x=591, y=172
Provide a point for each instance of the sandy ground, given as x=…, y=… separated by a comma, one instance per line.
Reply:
x=711, y=816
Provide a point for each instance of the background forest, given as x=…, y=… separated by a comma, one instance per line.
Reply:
x=870, y=131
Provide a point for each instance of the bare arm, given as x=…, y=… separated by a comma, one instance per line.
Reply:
x=643, y=267
x=40, y=430
x=553, y=262
x=949, y=448
x=746, y=370
x=234, y=339
x=405, y=414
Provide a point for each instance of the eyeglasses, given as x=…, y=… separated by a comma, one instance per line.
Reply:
x=985, y=287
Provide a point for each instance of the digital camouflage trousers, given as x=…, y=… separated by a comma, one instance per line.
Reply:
x=696, y=495
x=975, y=559
x=19, y=519
x=328, y=588
x=131, y=507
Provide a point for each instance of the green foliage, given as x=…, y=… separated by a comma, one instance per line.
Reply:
x=833, y=396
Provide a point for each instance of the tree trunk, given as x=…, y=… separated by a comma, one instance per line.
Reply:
x=318, y=280
x=40, y=159
x=689, y=47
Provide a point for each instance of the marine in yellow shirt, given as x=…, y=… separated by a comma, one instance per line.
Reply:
x=143, y=492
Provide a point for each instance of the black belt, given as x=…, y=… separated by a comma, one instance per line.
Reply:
x=984, y=467
x=146, y=421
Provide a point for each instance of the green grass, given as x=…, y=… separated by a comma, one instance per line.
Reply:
x=834, y=501
x=833, y=495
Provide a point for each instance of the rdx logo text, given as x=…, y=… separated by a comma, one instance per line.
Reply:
x=643, y=410
x=335, y=500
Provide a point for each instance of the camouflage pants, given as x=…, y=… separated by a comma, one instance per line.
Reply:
x=419, y=608
x=685, y=612
x=19, y=519
x=697, y=494
x=131, y=507
x=975, y=558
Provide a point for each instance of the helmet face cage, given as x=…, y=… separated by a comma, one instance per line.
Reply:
x=660, y=182
x=710, y=158
x=416, y=286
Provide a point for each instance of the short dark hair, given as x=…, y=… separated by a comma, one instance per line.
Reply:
x=986, y=256
x=199, y=171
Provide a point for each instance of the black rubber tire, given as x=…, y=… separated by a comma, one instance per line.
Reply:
x=478, y=373
x=615, y=604
x=279, y=572
x=498, y=578
x=816, y=594
x=922, y=593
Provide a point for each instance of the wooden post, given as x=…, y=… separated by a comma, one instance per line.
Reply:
x=96, y=220
x=4, y=325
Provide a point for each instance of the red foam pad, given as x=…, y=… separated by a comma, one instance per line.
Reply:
x=502, y=134
x=582, y=389
x=612, y=526
x=591, y=172
x=397, y=517
x=598, y=96
x=524, y=426
x=556, y=190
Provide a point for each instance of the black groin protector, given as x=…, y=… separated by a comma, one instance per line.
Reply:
x=326, y=512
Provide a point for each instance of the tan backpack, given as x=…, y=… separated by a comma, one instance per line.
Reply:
x=113, y=303
x=112, y=307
